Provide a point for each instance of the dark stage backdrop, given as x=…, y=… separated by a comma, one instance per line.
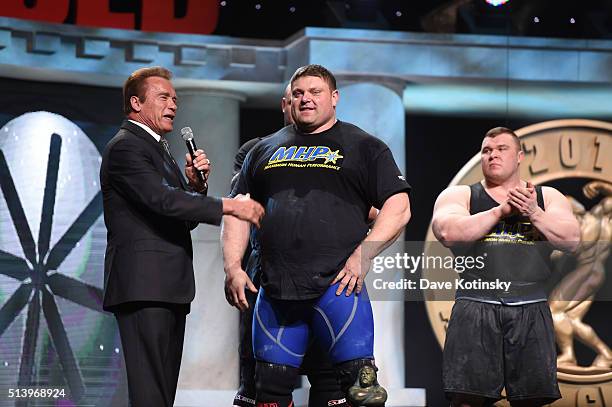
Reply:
x=52, y=241
x=437, y=147
x=53, y=332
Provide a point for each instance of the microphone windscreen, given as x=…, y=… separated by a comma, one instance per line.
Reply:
x=186, y=133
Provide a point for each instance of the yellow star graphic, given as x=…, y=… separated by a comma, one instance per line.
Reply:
x=332, y=156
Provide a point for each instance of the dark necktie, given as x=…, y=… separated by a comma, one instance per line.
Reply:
x=166, y=146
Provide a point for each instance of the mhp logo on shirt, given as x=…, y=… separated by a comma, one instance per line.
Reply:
x=305, y=154
x=520, y=232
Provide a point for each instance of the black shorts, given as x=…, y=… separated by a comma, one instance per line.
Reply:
x=492, y=346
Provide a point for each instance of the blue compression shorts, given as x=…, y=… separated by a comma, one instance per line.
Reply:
x=282, y=329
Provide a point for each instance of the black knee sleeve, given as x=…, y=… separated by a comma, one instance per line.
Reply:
x=245, y=348
x=274, y=384
x=324, y=389
x=347, y=372
x=245, y=397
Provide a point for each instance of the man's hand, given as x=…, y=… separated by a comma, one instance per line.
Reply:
x=235, y=283
x=200, y=163
x=596, y=188
x=506, y=209
x=524, y=199
x=244, y=208
x=353, y=273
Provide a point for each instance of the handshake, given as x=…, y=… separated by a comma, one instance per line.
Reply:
x=244, y=208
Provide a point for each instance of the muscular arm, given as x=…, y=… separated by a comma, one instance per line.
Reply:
x=234, y=240
x=594, y=188
x=393, y=216
x=452, y=221
x=557, y=223
x=390, y=222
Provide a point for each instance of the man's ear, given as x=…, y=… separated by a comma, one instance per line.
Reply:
x=335, y=97
x=135, y=103
x=284, y=104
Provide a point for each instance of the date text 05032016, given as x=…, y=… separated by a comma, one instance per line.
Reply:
x=36, y=393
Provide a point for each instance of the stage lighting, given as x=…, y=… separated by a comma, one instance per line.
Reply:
x=496, y=3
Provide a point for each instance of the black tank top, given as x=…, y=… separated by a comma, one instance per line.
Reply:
x=514, y=251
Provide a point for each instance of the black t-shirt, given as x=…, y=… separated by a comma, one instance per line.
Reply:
x=317, y=190
x=242, y=153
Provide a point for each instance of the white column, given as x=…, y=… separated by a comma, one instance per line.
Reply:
x=379, y=110
x=210, y=357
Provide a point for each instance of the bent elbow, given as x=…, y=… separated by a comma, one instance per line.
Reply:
x=406, y=215
x=573, y=239
x=574, y=242
x=445, y=239
x=574, y=246
x=568, y=244
x=441, y=233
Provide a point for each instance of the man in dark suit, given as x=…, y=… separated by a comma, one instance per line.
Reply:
x=149, y=211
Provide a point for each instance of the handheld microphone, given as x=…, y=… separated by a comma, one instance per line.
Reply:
x=187, y=135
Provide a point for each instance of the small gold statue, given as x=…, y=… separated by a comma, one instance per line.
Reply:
x=573, y=296
x=366, y=392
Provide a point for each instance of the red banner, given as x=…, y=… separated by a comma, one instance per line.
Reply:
x=154, y=15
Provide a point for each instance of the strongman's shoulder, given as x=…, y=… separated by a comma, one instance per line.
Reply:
x=550, y=193
x=453, y=195
x=355, y=131
x=272, y=140
x=281, y=135
x=361, y=138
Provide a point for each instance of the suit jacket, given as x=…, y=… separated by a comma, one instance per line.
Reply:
x=148, y=211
